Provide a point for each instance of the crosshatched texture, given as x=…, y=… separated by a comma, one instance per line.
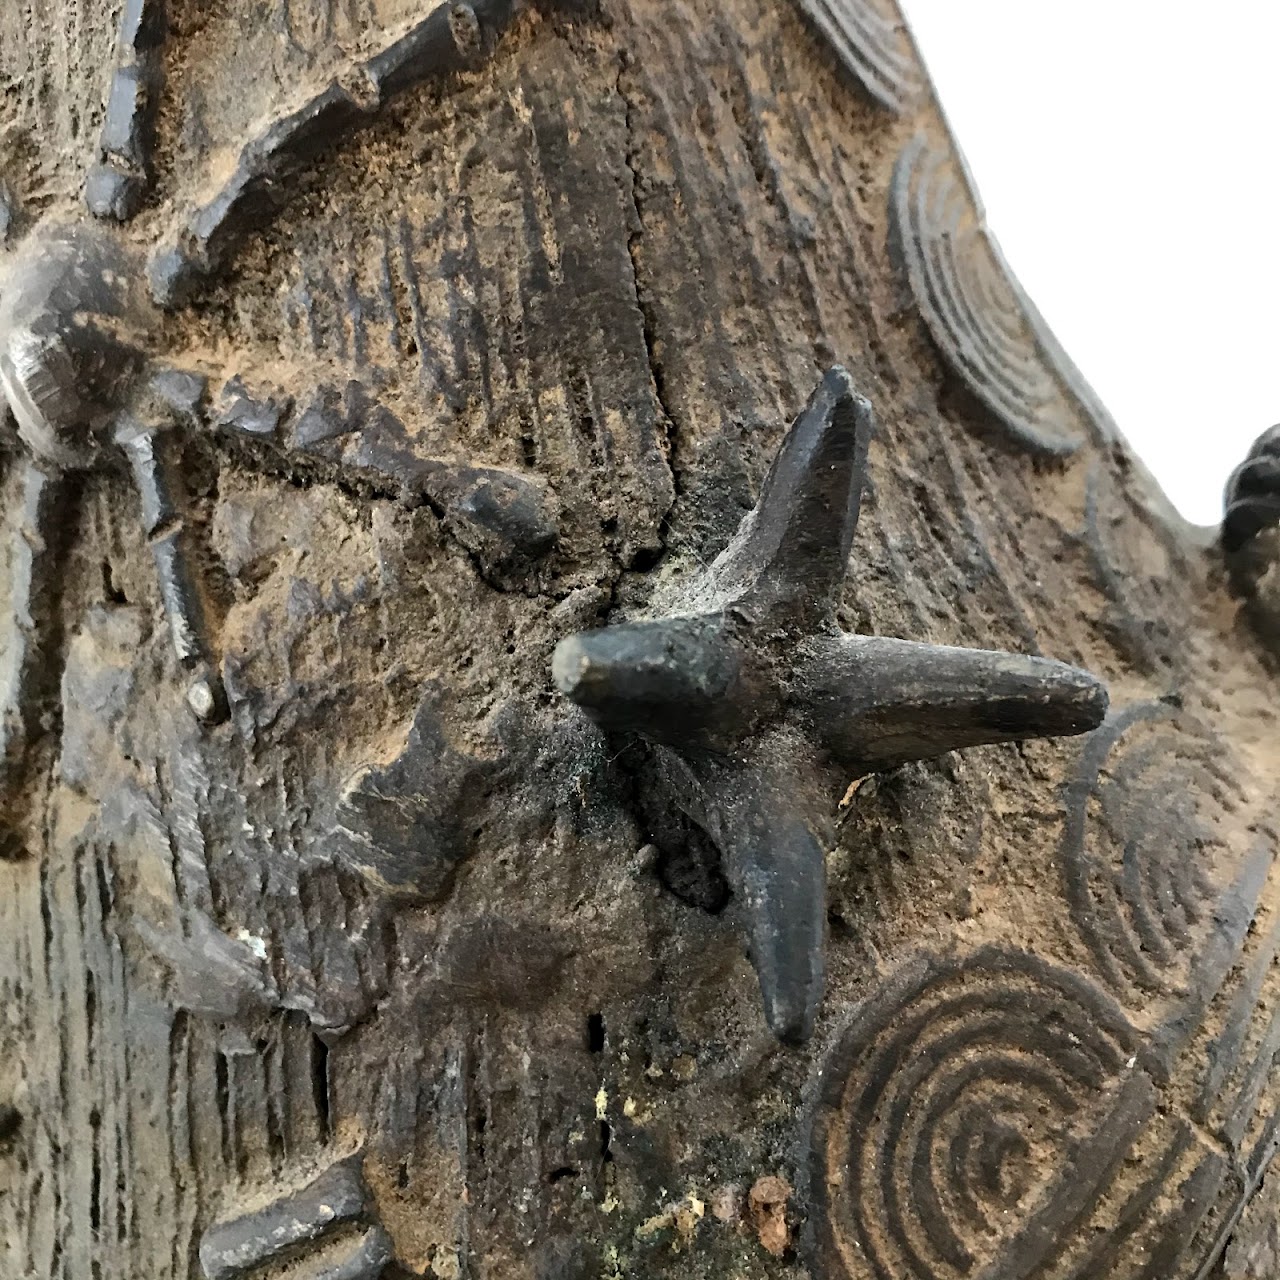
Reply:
x=456, y=331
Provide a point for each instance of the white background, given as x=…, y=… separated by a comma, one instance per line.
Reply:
x=1127, y=153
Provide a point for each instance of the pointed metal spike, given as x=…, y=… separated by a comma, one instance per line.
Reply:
x=877, y=702
x=675, y=681
x=777, y=870
x=791, y=551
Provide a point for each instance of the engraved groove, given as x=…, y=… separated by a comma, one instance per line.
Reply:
x=1225, y=1049
x=432, y=50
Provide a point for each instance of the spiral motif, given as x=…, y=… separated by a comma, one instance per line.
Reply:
x=871, y=39
x=973, y=307
x=953, y=1102
x=1137, y=845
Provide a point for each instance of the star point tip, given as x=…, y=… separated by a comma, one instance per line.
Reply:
x=790, y=553
x=569, y=666
x=879, y=702
x=777, y=870
x=672, y=680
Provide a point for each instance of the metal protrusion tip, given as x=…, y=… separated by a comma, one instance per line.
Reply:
x=570, y=665
x=206, y=699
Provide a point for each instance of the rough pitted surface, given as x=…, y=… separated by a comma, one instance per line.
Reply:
x=464, y=331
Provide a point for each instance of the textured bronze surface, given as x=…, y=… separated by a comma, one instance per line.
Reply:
x=368, y=367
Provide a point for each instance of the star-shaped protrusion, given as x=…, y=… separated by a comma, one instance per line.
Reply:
x=758, y=706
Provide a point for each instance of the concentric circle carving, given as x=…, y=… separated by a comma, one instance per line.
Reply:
x=871, y=39
x=1139, y=840
x=971, y=304
x=953, y=1104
